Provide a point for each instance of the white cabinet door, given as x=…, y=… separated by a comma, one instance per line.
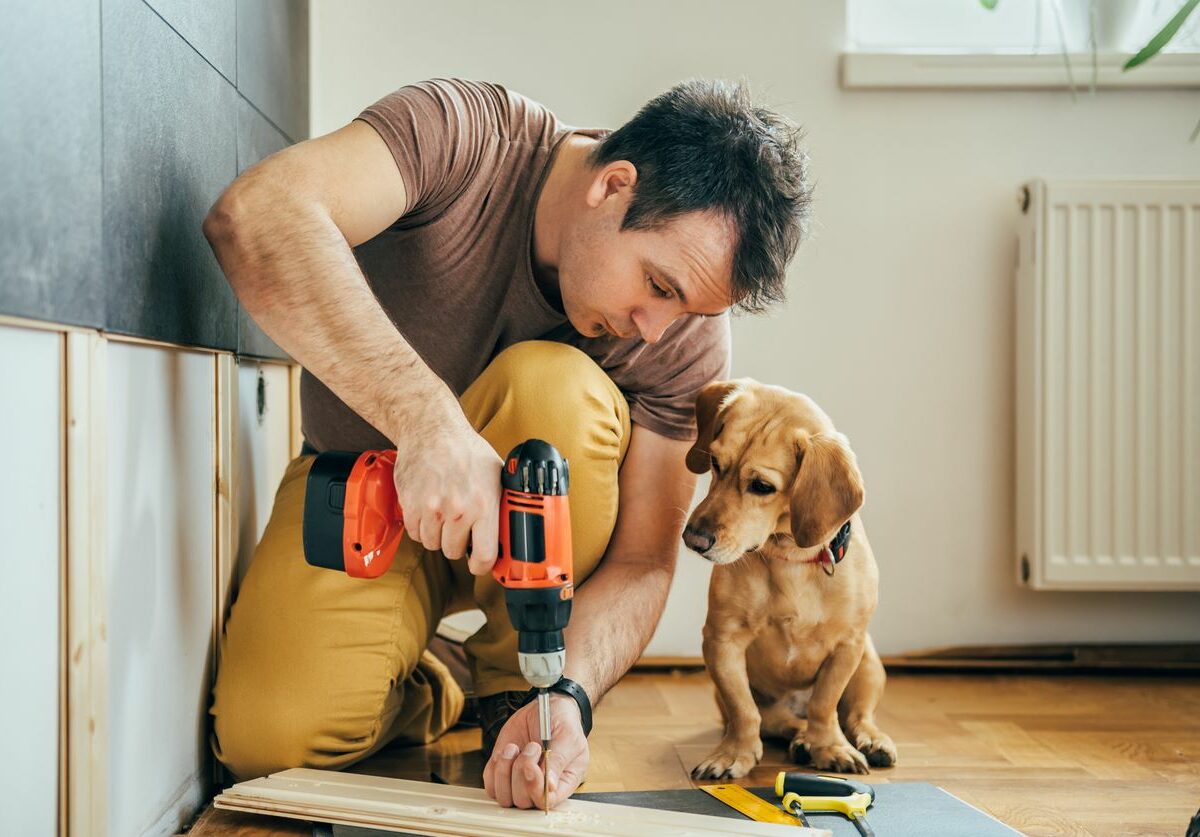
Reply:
x=160, y=571
x=30, y=578
x=263, y=449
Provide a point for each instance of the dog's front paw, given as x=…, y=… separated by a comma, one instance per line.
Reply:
x=878, y=748
x=838, y=758
x=798, y=751
x=732, y=760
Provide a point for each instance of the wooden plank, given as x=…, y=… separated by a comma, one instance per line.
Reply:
x=431, y=809
x=86, y=516
x=297, y=435
x=225, y=509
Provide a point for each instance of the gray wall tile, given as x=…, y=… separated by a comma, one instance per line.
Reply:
x=50, y=233
x=208, y=25
x=170, y=148
x=256, y=138
x=272, y=61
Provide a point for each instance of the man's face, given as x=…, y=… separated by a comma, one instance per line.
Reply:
x=633, y=283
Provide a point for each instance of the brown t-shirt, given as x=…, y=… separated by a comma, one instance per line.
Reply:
x=455, y=273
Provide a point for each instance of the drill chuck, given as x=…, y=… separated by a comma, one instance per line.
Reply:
x=542, y=670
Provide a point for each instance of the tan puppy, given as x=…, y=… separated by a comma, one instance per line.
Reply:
x=786, y=636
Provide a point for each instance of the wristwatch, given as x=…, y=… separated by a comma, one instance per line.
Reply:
x=569, y=687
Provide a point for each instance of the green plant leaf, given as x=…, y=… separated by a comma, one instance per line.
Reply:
x=1165, y=34
x=988, y=4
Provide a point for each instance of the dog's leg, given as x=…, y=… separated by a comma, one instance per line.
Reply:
x=825, y=742
x=741, y=747
x=857, y=710
x=780, y=719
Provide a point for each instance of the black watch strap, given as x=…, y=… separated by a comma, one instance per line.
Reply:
x=569, y=687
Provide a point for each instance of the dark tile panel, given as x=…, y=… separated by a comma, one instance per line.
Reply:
x=272, y=61
x=50, y=186
x=170, y=148
x=256, y=138
x=208, y=25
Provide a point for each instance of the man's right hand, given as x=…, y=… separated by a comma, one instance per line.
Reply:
x=448, y=484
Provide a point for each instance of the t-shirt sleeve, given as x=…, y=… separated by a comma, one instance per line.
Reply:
x=662, y=396
x=439, y=132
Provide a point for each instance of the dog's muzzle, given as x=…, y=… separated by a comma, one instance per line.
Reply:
x=697, y=540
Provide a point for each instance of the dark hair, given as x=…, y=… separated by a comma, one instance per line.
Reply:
x=703, y=145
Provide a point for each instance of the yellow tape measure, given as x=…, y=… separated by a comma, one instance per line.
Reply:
x=756, y=808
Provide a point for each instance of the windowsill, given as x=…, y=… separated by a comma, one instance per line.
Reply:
x=1012, y=71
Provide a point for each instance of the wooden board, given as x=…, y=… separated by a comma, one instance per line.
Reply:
x=426, y=808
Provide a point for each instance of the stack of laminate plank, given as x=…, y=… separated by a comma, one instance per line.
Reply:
x=432, y=809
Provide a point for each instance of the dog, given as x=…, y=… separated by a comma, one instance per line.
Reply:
x=794, y=586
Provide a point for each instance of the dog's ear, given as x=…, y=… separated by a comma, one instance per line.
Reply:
x=708, y=423
x=828, y=488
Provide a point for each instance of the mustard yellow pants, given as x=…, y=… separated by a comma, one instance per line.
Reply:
x=318, y=669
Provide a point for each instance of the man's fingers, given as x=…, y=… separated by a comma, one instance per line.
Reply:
x=565, y=784
x=454, y=539
x=526, y=775
x=502, y=774
x=431, y=532
x=484, y=537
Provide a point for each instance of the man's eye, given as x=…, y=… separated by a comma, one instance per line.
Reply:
x=659, y=292
x=760, y=487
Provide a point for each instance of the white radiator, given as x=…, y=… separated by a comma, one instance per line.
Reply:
x=1108, y=386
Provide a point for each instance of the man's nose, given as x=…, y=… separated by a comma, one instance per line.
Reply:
x=651, y=325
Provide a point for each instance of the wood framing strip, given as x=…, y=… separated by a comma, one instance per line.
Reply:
x=64, y=601
x=225, y=442
x=86, y=618
x=297, y=436
x=431, y=809
x=225, y=522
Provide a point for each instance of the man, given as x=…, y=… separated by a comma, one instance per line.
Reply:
x=457, y=271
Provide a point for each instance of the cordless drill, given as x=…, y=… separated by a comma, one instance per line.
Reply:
x=353, y=522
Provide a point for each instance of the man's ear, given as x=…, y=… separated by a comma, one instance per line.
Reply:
x=828, y=488
x=709, y=404
x=610, y=179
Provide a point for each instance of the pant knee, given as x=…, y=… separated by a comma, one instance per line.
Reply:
x=561, y=391
x=271, y=742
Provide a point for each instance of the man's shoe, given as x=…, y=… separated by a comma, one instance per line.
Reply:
x=494, y=712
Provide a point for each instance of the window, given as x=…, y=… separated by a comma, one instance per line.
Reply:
x=1013, y=26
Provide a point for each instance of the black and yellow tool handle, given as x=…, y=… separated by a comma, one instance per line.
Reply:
x=808, y=793
x=808, y=784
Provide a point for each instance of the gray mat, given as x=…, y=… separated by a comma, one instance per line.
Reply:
x=901, y=809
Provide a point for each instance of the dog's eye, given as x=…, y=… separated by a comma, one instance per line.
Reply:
x=716, y=468
x=760, y=487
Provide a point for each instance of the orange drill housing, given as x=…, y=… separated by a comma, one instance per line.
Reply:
x=536, y=528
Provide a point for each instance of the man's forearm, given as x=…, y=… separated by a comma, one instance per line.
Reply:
x=613, y=618
x=294, y=272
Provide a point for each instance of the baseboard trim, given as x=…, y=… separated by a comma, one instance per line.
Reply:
x=1115, y=658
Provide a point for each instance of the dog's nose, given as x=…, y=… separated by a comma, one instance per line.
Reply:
x=700, y=541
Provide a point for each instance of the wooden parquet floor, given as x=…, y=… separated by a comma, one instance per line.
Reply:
x=1069, y=754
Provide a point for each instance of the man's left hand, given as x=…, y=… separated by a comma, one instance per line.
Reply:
x=513, y=775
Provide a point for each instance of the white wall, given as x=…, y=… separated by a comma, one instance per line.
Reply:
x=901, y=315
